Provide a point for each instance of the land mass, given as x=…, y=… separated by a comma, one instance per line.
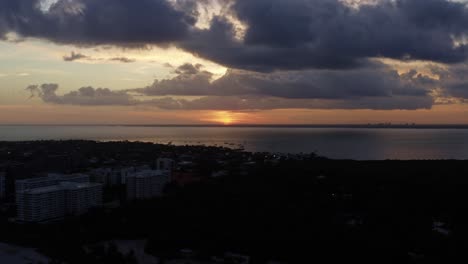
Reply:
x=267, y=207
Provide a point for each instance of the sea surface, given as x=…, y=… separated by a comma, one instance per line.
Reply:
x=332, y=142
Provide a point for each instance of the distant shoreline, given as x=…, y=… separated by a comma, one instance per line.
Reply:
x=357, y=126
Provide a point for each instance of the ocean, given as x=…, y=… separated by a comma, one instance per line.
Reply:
x=333, y=142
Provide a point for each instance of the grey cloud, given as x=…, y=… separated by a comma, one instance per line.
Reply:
x=378, y=81
x=78, y=56
x=123, y=60
x=89, y=96
x=188, y=68
x=234, y=103
x=453, y=80
x=372, y=88
x=85, y=96
x=74, y=56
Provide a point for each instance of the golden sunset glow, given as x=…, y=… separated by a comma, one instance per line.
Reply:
x=228, y=118
x=224, y=117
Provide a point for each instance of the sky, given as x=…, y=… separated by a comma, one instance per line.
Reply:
x=233, y=61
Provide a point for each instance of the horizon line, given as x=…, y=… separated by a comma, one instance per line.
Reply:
x=344, y=125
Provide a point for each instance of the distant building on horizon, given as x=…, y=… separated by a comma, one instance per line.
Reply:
x=146, y=184
x=56, y=196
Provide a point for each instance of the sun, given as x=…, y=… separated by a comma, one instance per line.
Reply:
x=223, y=117
x=226, y=120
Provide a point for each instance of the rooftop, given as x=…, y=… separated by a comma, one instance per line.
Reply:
x=41, y=190
x=60, y=187
x=75, y=185
x=147, y=173
x=52, y=177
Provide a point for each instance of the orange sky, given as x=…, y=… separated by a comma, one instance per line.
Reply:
x=52, y=114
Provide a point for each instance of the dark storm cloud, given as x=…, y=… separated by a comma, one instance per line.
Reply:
x=280, y=35
x=300, y=34
x=91, y=22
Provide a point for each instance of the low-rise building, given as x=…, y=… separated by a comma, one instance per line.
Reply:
x=146, y=184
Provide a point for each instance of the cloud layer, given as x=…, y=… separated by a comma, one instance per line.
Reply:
x=295, y=34
x=311, y=84
x=193, y=89
x=291, y=54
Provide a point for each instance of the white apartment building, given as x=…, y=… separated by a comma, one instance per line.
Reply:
x=2, y=185
x=146, y=184
x=40, y=204
x=54, y=197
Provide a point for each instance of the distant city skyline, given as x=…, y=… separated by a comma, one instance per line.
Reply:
x=233, y=62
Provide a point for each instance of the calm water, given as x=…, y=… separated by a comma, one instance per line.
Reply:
x=349, y=143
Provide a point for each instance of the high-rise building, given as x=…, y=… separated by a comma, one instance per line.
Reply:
x=40, y=204
x=56, y=196
x=146, y=184
x=2, y=185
